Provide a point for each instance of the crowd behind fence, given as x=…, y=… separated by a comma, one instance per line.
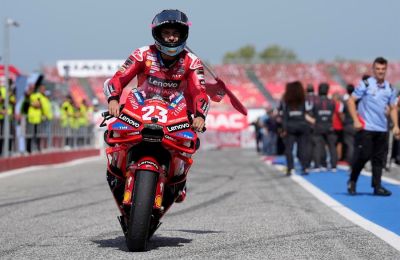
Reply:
x=38, y=124
x=26, y=138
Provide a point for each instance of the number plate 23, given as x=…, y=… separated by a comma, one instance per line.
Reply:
x=155, y=111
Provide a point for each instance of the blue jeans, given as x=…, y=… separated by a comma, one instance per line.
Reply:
x=270, y=142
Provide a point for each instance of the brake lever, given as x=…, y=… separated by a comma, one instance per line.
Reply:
x=202, y=130
x=106, y=116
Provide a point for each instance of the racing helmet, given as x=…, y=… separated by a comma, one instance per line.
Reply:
x=174, y=19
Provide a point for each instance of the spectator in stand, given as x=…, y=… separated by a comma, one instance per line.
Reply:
x=295, y=120
x=375, y=95
x=271, y=132
x=324, y=134
x=337, y=123
x=348, y=127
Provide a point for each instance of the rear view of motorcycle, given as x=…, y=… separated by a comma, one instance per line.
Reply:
x=150, y=145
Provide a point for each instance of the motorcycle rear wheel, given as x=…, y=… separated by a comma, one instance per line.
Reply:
x=142, y=206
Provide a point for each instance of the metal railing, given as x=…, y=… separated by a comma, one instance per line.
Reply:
x=26, y=138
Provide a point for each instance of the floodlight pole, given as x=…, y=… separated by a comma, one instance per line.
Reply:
x=6, y=125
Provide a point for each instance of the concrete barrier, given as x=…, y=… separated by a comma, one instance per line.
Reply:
x=12, y=163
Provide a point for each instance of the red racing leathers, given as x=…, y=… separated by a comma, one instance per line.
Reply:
x=185, y=75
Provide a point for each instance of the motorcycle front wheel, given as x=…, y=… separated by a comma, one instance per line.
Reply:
x=142, y=206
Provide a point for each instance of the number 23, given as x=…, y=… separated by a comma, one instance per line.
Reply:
x=155, y=111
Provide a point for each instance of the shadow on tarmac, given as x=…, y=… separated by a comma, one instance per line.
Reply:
x=357, y=194
x=154, y=243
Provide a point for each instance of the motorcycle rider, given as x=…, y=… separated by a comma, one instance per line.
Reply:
x=164, y=69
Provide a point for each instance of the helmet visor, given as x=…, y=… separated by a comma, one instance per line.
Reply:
x=165, y=16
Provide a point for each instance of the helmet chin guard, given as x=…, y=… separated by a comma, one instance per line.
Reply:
x=170, y=51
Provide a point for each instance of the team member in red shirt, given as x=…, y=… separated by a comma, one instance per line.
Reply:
x=337, y=123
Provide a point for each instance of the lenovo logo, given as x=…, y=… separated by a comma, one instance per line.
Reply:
x=129, y=120
x=174, y=128
x=163, y=83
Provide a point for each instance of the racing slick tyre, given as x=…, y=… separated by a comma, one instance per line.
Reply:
x=142, y=206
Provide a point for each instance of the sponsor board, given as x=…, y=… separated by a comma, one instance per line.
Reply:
x=88, y=68
x=226, y=121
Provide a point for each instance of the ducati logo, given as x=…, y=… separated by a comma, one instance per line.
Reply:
x=149, y=163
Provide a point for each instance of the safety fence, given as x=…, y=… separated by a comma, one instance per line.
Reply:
x=26, y=138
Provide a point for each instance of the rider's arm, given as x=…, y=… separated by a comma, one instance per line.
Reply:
x=197, y=91
x=132, y=66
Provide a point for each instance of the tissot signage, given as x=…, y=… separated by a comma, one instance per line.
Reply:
x=88, y=68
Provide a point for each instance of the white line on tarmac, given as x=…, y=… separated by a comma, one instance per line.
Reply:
x=10, y=173
x=383, y=233
x=386, y=235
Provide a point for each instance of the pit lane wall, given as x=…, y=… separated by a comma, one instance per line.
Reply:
x=55, y=157
x=230, y=129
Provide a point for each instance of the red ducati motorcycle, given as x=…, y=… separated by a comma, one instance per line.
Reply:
x=149, y=156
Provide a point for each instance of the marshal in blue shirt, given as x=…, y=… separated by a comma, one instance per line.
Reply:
x=374, y=101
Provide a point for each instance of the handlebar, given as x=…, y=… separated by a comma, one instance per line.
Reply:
x=106, y=115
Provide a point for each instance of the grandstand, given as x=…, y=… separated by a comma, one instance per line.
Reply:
x=236, y=79
x=352, y=71
x=273, y=78
x=96, y=83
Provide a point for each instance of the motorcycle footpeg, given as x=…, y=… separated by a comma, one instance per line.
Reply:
x=123, y=225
